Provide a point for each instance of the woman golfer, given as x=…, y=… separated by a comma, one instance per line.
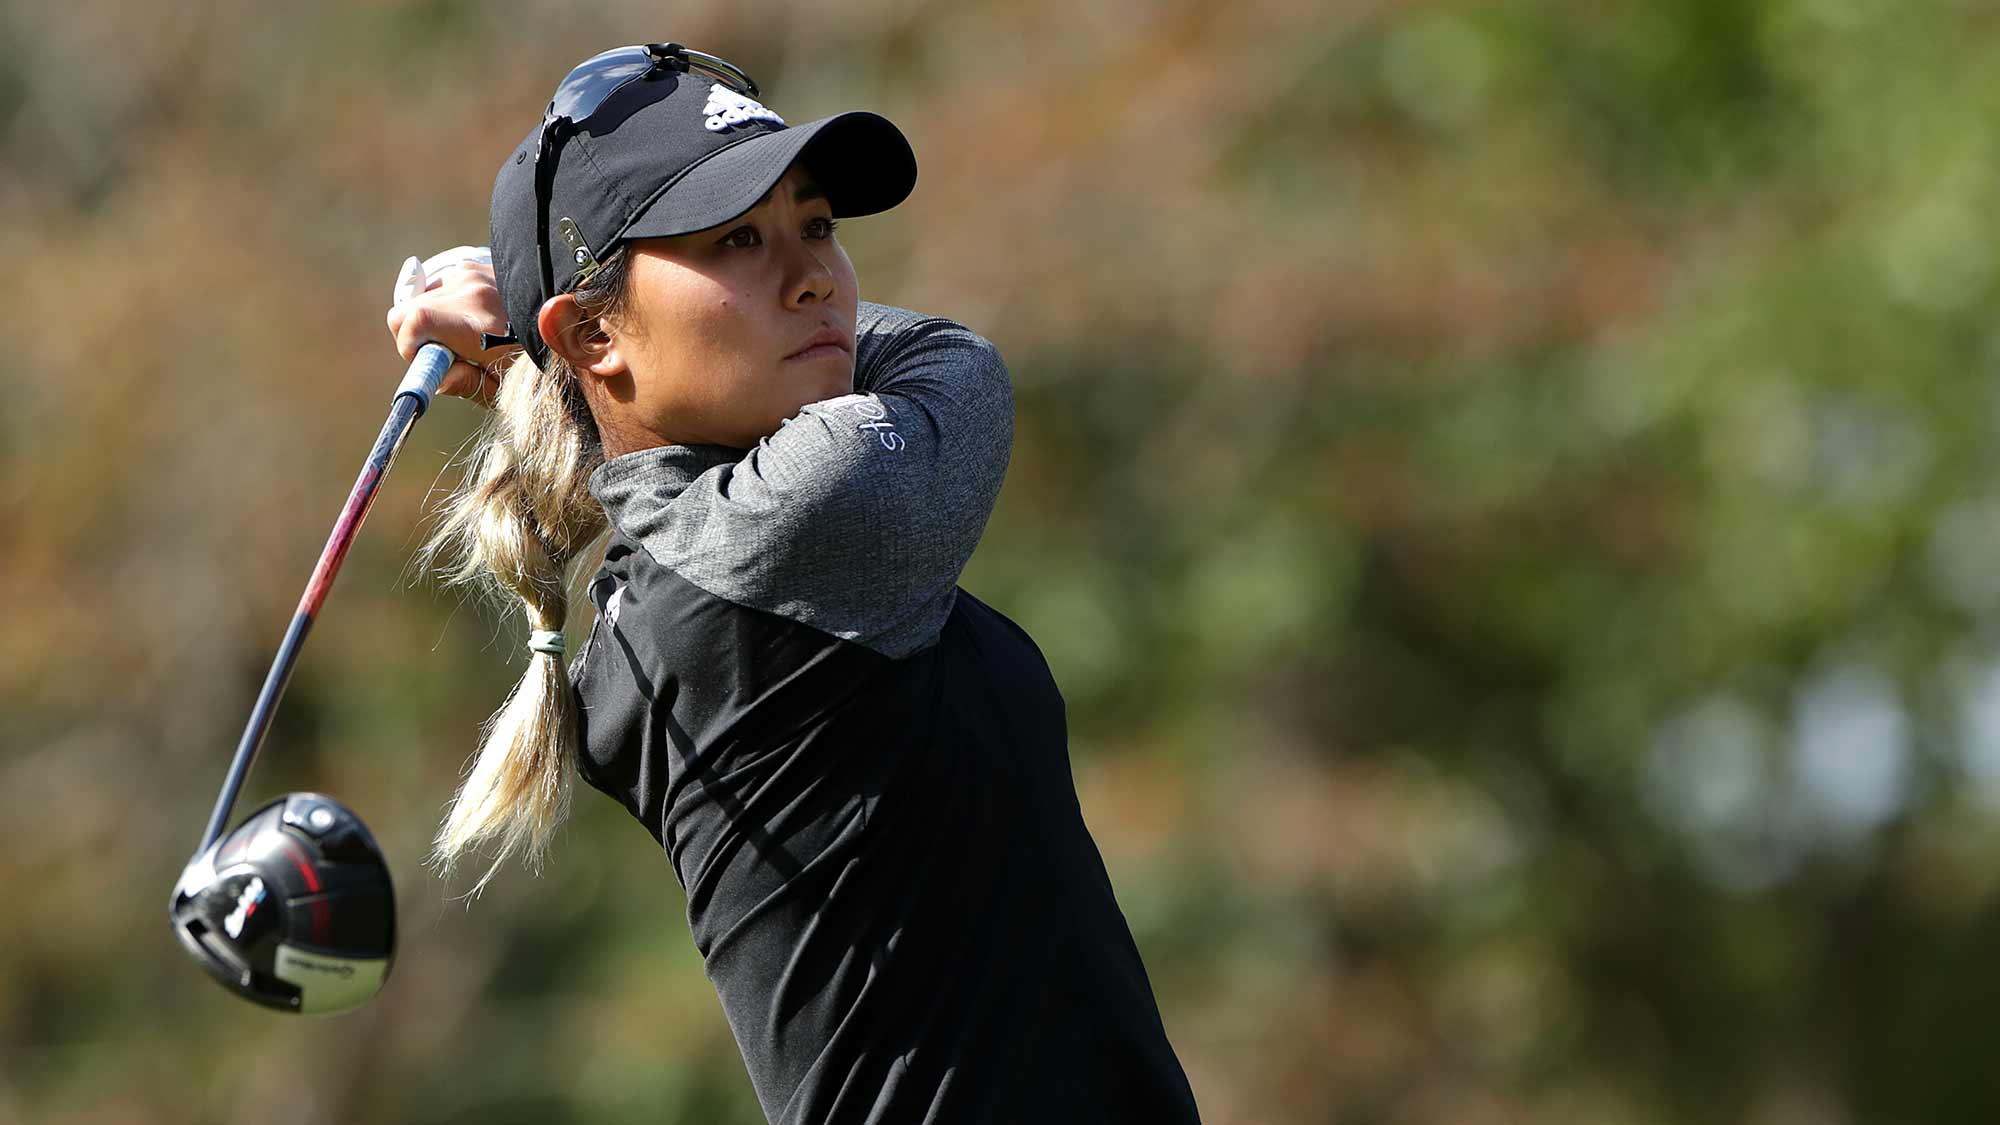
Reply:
x=858, y=770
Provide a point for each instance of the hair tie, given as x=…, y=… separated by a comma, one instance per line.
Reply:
x=546, y=640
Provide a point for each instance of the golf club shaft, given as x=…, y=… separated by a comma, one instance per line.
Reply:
x=412, y=397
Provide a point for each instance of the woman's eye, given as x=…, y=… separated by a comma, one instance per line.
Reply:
x=821, y=228
x=743, y=238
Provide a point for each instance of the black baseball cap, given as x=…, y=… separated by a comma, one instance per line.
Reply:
x=670, y=151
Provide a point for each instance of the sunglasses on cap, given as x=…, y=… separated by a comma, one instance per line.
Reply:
x=581, y=93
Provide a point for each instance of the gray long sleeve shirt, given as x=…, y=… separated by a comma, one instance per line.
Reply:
x=860, y=772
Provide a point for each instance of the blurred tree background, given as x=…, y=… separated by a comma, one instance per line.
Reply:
x=1507, y=491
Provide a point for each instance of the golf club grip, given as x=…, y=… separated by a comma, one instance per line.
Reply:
x=412, y=396
x=426, y=373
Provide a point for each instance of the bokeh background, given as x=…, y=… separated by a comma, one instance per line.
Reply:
x=1508, y=491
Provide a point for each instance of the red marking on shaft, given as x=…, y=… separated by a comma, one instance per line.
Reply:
x=358, y=503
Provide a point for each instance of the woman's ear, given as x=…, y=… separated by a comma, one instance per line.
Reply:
x=579, y=338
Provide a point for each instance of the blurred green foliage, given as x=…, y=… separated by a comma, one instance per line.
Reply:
x=1507, y=491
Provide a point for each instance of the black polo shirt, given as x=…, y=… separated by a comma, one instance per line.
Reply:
x=858, y=770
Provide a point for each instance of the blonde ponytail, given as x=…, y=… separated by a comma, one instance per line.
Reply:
x=516, y=527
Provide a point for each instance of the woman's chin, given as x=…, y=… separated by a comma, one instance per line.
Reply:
x=835, y=381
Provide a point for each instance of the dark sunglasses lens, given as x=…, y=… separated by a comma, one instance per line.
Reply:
x=589, y=84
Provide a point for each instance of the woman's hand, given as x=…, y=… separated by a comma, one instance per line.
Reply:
x=450, y=299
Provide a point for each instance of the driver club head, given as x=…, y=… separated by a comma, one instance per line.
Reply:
x=293, y=909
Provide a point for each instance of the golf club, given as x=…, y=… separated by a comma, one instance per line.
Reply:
x=294, y=909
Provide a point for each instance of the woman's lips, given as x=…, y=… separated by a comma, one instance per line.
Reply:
x=825, y=343
x=819, y=351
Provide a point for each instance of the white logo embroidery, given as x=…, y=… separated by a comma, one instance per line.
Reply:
x=877, y=419
x=608, y=615
x=613, y=605
x=727, y=109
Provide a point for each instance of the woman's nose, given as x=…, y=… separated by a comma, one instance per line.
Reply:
x=810, y=279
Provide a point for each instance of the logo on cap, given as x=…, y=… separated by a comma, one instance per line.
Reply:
x=726, y=109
